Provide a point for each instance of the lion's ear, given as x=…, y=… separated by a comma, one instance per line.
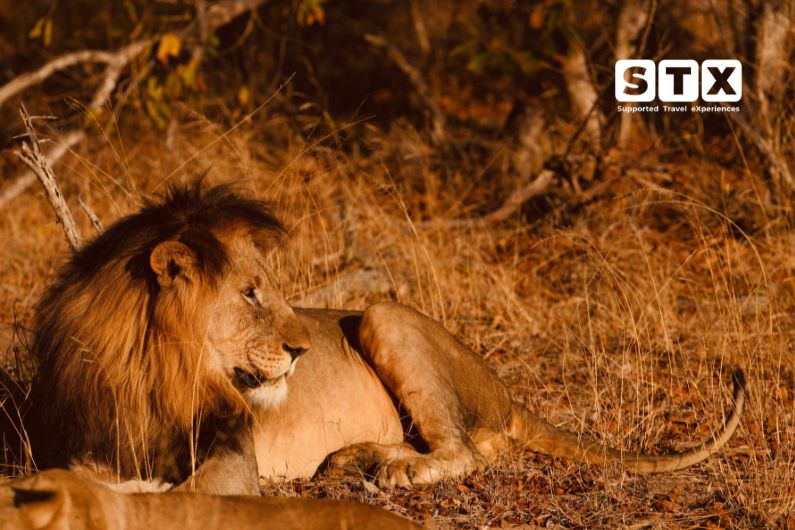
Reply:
x=171, y=260
x=39, y=507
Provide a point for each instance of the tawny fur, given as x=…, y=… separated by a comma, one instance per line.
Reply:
x=60, y=499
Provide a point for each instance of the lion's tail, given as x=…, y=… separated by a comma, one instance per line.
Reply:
x=544, y=437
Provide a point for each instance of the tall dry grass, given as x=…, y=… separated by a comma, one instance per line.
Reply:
x=621, y=320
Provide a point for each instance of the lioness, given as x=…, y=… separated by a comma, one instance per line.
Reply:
x=62, y=500
x=162, y=336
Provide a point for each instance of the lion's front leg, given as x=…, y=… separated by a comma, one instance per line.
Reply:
x=230, y=467
x=447, y=389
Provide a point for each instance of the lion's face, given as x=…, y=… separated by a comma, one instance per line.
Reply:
x=250, y=334
x=255, y=335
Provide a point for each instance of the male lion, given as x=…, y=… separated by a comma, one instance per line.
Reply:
x=59, y=499
x=158, y=333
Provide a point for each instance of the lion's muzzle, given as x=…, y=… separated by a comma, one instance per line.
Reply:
x=250, y=379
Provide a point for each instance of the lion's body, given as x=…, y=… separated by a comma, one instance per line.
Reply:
x=344, y=398
x=161, y=336
x=60, y=499
x=335, y=400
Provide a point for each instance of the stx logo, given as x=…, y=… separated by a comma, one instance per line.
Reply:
x=677, y=80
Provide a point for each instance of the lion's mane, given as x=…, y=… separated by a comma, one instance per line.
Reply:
x=121, y=378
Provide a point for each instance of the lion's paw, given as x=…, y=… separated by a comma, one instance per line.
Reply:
x=352, y=460
x=425, y=469
x=408, y=472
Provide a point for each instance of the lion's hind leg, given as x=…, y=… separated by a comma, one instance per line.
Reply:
x=447, y=390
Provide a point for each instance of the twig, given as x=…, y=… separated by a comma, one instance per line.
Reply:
x=95, y=221
x=419, y=28
x=438, y=120
x=216, y=16
x=115, y=61
x=32, y=156
x=514, y=201
x=61, y=147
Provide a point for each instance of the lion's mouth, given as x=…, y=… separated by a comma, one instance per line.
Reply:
x=252, y=379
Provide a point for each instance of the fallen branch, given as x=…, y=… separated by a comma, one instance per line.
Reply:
x=32, y=156
x=508, y=208
x=438, y=120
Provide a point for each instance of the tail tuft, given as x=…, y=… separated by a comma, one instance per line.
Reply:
x=738, y=378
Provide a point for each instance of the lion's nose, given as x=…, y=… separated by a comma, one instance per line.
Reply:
x=294, y=351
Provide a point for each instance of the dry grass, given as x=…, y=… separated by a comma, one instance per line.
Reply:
x=622, y=319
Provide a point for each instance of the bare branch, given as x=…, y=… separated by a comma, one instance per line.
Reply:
x=419, y=27
x=632, y=18
x=114, y=60
x=514, y=201
x=95, y=221
x=221, y=13
x=61, y=147
x=216, y=16
x=438, y=120
x=197, y=55
x=582, y=93
x=211, y=19
x=32, y=156
x=774, y=45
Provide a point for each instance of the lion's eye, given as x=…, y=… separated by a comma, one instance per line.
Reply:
x=250, y=293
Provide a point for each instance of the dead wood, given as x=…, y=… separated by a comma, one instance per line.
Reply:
x=582, y=94
x=512, y=204
x=95, y=221
x=207, y=20
x=632, y=18
x=32, y=156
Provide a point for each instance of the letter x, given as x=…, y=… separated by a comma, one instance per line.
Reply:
x=721, y=80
